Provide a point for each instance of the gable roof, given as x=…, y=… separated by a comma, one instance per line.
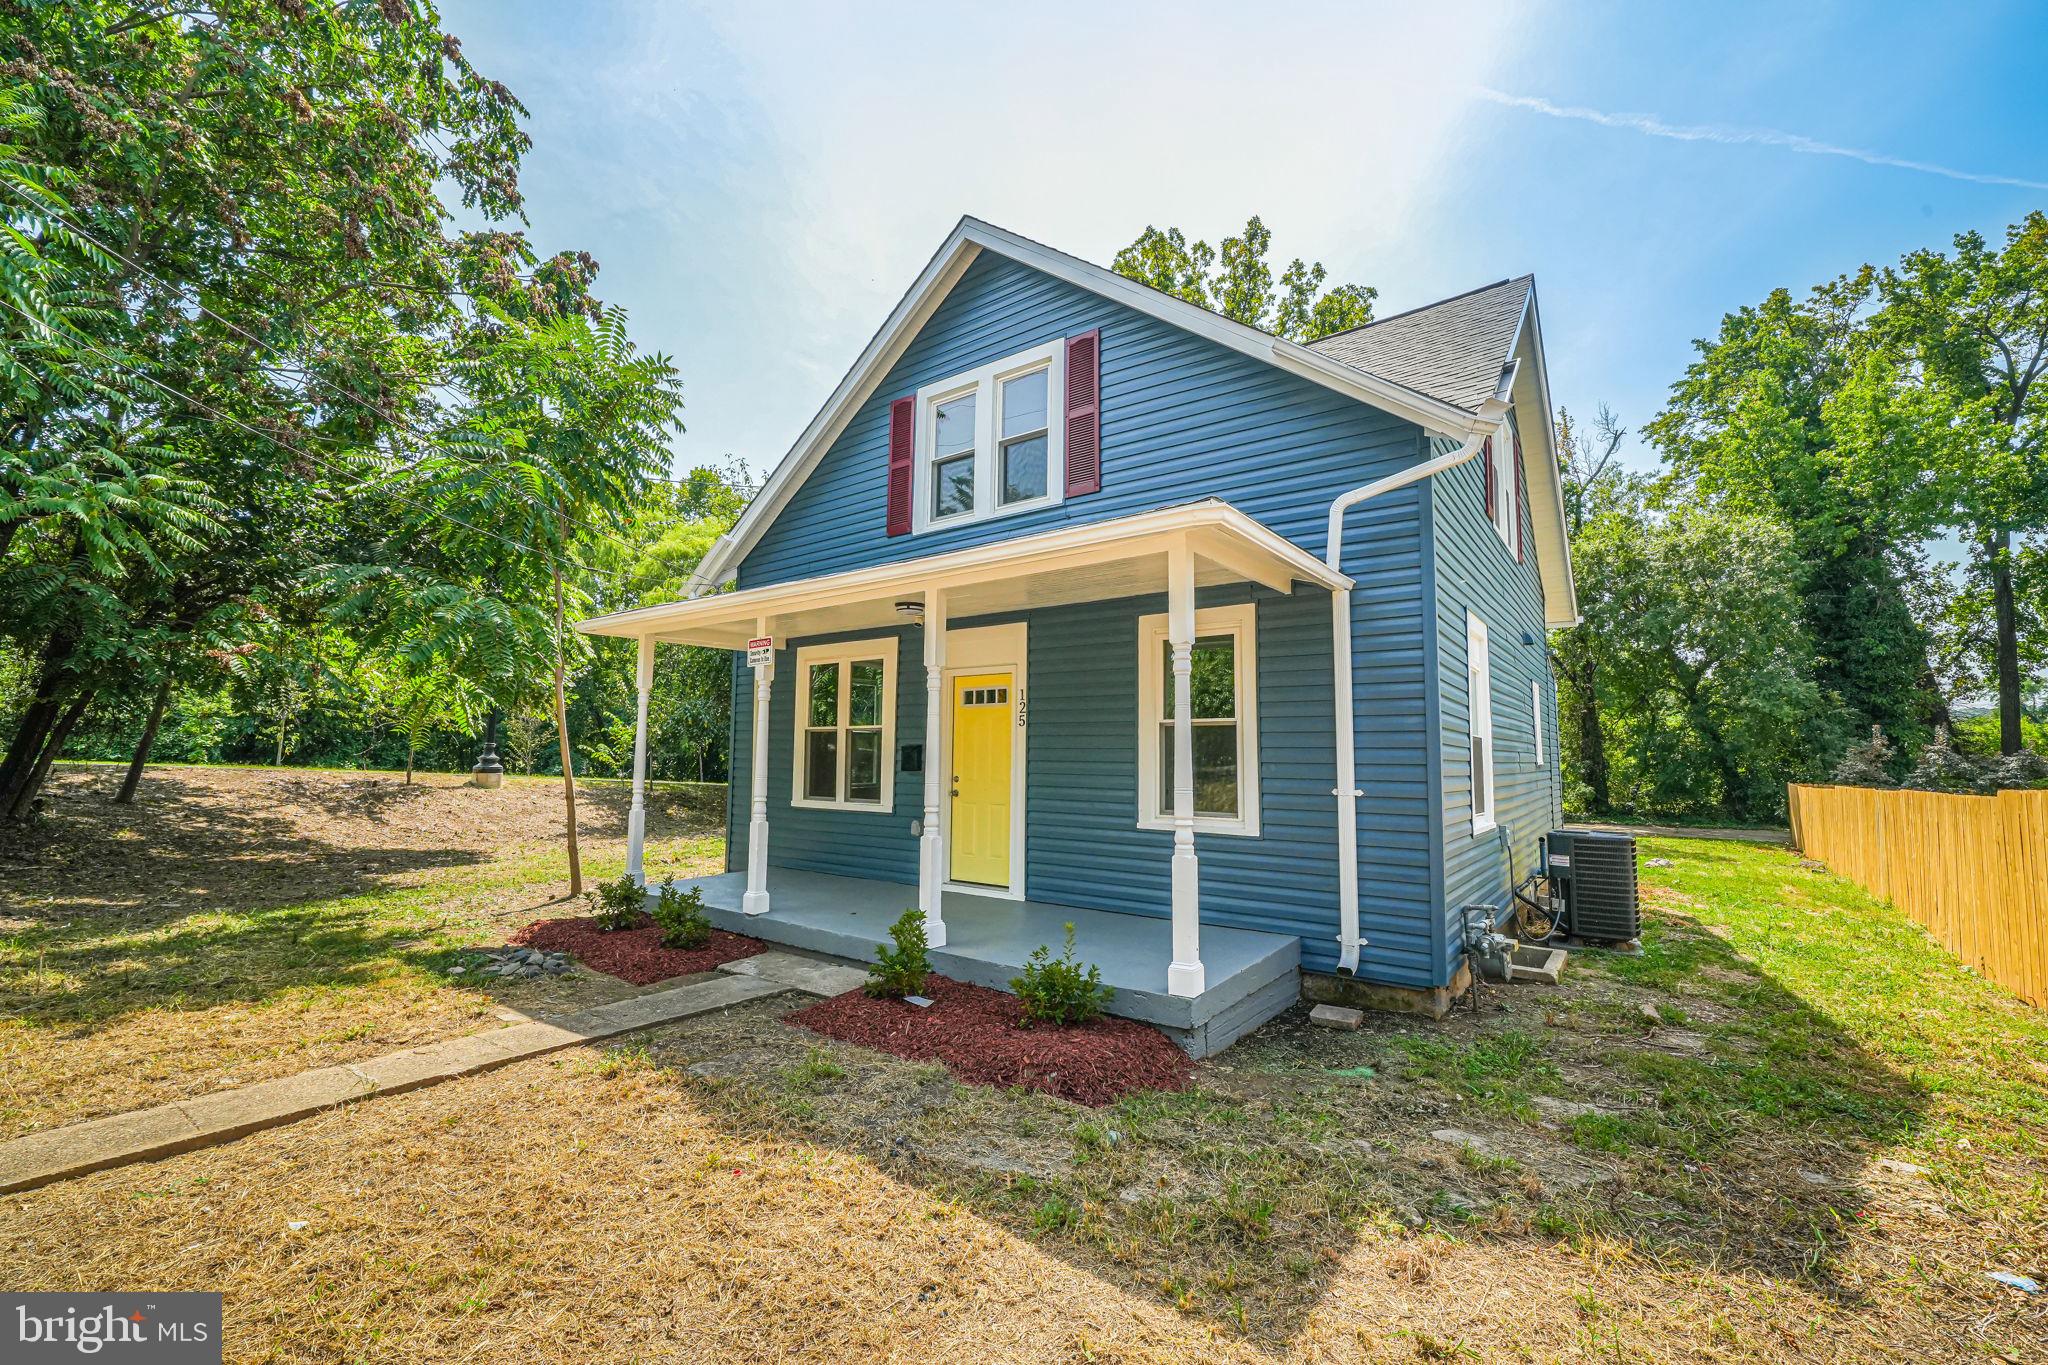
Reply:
x=1453, y=349
x=1436, y=413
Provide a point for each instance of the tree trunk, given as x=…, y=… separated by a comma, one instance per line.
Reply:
x=409, y=747
x=2006, y=613
x=37, y=718
x=126, y=796
x=1592, y=740
x=562, y=734
x=25, y=796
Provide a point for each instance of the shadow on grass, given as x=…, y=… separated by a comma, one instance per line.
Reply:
x=1728, y=1135
x=198, y=897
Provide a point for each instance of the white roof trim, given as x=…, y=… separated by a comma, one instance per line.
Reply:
x=1217, y=532
x=967, y=240
x=1553, y=546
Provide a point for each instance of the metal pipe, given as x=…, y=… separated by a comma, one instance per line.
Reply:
x=1347, y=791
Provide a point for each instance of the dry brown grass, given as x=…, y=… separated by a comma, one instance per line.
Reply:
x=242, y=924
x=734, y=1188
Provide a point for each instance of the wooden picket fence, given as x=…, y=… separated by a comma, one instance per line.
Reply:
x=1973, y=869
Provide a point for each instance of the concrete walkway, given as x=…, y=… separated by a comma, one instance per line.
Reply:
x=59, y=1153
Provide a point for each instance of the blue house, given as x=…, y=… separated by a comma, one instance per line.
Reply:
x=1078, y=603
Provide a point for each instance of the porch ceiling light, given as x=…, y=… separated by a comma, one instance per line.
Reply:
x=910, y=609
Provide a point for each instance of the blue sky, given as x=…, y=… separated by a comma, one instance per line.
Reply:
x=761, y=182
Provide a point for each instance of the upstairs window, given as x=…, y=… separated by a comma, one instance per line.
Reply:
x=1479, y=720
x=986, y=442
x=1503, y=486
x=845, y=725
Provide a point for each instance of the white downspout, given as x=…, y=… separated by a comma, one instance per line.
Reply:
x=1491, y=414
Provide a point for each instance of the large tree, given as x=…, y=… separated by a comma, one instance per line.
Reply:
x=1705, y=671
x=255, y=258
x=1958, y=386
x=1593, y=481
x=1757, y=423
x=1238, y=283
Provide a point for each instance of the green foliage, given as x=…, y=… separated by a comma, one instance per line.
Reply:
x=680, y=917
x=617, y=904
x=1242, y=286
x=901, y=964
x=1705, y=674
x=1942, y=767
x=1869, y=763
x=1057, y=990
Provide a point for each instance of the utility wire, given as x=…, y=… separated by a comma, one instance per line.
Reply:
x=333, y=386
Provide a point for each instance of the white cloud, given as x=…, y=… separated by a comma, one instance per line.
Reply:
x=1761, y=137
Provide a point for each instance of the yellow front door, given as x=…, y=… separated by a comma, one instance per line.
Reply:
x=984, y=719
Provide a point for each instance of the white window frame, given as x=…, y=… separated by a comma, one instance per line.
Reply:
x=1240, y=622
x=1479, y=722
x=1506, y=496
x=845, y=653
x=1536, y=710
x=986, y=384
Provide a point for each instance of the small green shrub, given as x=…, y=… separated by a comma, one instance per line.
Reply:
x=1056, y=990
x=617, y=905
x=680, y=917
x=900, y=968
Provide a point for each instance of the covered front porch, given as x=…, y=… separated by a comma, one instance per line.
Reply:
x=1251, y=975
x=861, y=785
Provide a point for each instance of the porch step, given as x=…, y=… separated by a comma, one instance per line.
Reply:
x=798, y=973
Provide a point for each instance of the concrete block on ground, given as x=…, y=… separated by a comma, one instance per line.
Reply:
x=1539, y=964
x=78, y=1148
x=231, y=1113
x=1336, y=1016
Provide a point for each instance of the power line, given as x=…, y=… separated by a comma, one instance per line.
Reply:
x=300, y=451
x=333, y=386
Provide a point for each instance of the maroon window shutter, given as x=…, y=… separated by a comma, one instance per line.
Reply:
x=902, y=440
x=1486, y=453
x=1084, y=413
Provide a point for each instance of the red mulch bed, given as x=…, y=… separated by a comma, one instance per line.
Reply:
x=980, y=1035
x=634, y=956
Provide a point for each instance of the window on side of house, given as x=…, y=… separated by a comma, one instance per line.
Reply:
x=1536, y=715
x=1223, y=718
x=987, y=443
x=1504, y=507
x=845, y=725
x=1479, y=721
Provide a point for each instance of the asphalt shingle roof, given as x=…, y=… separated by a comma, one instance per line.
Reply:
x=1452, y=350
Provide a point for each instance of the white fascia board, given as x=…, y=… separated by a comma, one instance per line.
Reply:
x=1214, y=523
x=968, y=239
x=1560, y=587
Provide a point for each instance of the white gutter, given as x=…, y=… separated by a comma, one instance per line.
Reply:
x=1492, y=414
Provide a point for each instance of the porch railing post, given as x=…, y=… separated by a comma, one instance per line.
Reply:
x=755, y=902
x=636, y=820
x=931, y=876
x=1184, y=975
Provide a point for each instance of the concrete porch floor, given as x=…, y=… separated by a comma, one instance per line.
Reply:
x=1251, y=976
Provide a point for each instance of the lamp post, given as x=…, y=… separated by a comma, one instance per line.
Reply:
x=489, y=772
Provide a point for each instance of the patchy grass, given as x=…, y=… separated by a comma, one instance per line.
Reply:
x=1809, y=1146
x=149, y=970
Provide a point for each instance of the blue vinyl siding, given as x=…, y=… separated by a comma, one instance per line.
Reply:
x=1477, y=572
x=1182, y=419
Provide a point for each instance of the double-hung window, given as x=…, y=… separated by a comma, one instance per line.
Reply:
x=1479, y=719
x=1224, y=720
x=845, y=725
x=987, y=441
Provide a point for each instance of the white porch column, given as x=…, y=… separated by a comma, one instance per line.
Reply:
x=636, y=821
x=1184, y=974
x=755, y=902
x=931, y=871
